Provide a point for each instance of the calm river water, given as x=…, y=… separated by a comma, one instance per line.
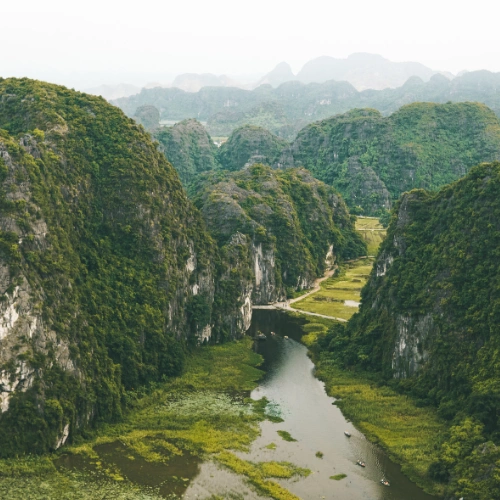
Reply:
x=317, y=425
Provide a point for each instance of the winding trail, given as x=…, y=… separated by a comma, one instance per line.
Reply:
x=316, y=288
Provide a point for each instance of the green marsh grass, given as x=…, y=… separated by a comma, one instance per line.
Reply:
x=203, y=412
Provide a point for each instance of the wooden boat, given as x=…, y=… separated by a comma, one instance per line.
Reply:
x=285, y=337
x=384, y=482
x=360, y=463
x=347, y=433
x=261, y=336
x=272, y=333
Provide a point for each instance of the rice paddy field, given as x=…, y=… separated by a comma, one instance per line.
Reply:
x=339, y=295
x=372, y=232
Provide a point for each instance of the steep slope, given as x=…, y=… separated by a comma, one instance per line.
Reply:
x=226, y=109
x=287, y=226
x=371, y=160
x=189, y=148
x=106, y=269
x=430, y=319
x=248, y=145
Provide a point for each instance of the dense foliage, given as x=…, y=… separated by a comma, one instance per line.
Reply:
x=250, y=144
x=287, y=212
x=189, y=148
x=430, y=321
x=291, y=106
x=107, y=277
x=371, y=160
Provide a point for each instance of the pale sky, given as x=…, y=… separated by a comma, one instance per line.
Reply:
x=82, y=44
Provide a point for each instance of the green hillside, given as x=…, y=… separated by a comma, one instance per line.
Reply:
x=371, y=159
x=189, y=149
x=100, y=250
x=286, y=220
x=429, y=322
x=250, y=144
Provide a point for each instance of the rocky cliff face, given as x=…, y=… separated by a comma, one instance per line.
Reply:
x=104, y=264
x=286, y=224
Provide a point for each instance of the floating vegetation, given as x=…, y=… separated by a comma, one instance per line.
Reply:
x=286, y=436
x=258, y=474
x=273, y=412
x=319, y=454
x=338, y=477
x=271, y=446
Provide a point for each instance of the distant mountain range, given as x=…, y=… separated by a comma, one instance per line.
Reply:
x=288, y=108
x=363, y=71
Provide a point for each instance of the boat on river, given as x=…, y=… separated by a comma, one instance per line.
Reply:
x=272, y=333
x=261, y=336
x=360, y=463
x=384, y=482
x=347, y=433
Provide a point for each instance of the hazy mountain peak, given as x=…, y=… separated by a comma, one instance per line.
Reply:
x=280, y=74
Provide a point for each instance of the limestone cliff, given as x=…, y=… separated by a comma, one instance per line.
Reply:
x=285, y=222
x=107, y=272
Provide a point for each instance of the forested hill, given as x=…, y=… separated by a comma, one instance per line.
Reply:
x=250, y=144
x=430, y=320
x=373, y=159
x=107, y=270
x=189, y=148
x=287, y=225
x=291, y=106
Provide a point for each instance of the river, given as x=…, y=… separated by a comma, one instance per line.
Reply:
x=315, y=422
x=309, y=416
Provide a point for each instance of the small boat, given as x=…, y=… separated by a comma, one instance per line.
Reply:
x=285, y=337
x=261, y=336
x=272, y=333
x=347, y=433
x=384, y=482
x=360, y=463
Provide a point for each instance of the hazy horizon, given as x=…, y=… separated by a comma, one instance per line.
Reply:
x=109, y=43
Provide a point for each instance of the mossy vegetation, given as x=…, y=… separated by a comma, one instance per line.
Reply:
x=372, y=159
x=338, y=477
x=291, y=217
x=286, y=436
x=104, y=232
x=259, y=474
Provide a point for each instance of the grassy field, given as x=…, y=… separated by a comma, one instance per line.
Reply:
x=372, y=232
x=346, y=285
x=411, y=435
x=202, y=413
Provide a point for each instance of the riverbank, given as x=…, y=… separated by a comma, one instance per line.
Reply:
x=411, y=435
x=156, y=451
